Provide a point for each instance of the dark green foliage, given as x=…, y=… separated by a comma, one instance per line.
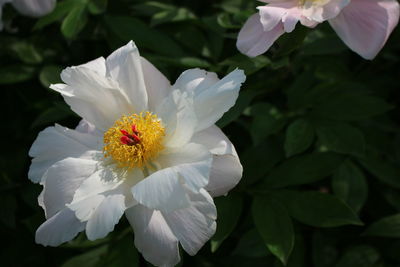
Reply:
x=317, y=129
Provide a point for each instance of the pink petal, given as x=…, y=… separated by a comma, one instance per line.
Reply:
x=365, y=25
x=253, y=40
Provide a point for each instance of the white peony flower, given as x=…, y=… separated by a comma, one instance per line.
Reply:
x=31, y=8
x=144, y=148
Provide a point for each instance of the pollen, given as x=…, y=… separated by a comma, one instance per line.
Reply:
x=134, y=140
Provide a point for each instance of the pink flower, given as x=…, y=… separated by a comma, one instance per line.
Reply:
x=363, y=25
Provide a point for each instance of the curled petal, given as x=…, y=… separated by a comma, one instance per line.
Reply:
x=365, y=25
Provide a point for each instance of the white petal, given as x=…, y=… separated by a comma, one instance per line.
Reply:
x=212, y=102
x=105, y=217
x=103, y=180
x=161, y=190
x=225, y=174
x=62, y=180
x=60, y=228
x=195, y=81
x=193, y=162
x=153, y=237
x=226, y=170
x=34, y=8
x=57, y=143
x=212, y=97
x=98, y=65
x=94, y=97
x=271, y=15
x=195, y=225
x=85, y=208
x=365, y=25
x=157, y=85
x=178, y=117
x=86, y=127
x=253, y=40
x=124, y=66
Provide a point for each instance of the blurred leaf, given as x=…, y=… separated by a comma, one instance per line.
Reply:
x=303, y=169
x=360, y=256
x=90, y=258
x=386, y=227
x=50, y=74
x=320, y=209
x=75, y=21
x=350, y=185
x=52, y=115
x=249, y=65
x=267, y=120
x=8, y=210
x=275, y=226
x=229, y=209
x=128, y=28
x=15, y=73
x=324, y=250
x=342, y=138
x=173, y=14
x=26, y=52
x=186, y=62
x=251, y=245
x=299, y=137
x=62, y=8
x=299, y=91
x=97, y=6
x=350, y=106
x=323, y=46
x=384, y=171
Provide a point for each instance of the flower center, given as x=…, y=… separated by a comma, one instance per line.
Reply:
x=134, y=140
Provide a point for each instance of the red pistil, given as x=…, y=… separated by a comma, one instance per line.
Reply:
x=130, y=139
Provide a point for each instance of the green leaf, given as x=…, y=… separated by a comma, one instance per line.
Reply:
x=122, y=253
x=75, y=21
x=299, y=91
x=342, y=138
x=360, y=256
x=275, y=226
x=128, y=28
x=290, y=42
x=247, y=64
x=186, y=62
x=299, y=137
x=243, y=101
x=303, y=169
x=8, y=210
x=324, y=249
x=258, y=161
x=15, y=73
x=385, y=227
x=52, y=114
x=50, y=74
x=324, y=46
x=251, y=245
x=267, y=120
x=320, y=209
x=90, y=258
x=229, y=209
x=174, y=14
x=27, y=53
x=350, y=106
x=349, y=184
x=97, y=6
x=382, y=170
x=61, y=10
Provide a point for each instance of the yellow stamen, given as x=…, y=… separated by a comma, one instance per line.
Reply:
x=135, y=154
